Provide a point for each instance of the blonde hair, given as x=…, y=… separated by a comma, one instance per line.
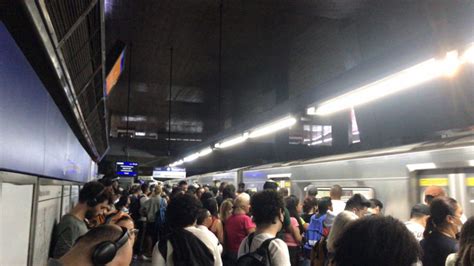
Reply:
x=226, y=209
x=242, y=200
x=340, y=222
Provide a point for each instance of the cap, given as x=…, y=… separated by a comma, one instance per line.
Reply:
x=434, y=191
x=420, y=209
x=358, y=200
x=270, y=184
x=312, y=190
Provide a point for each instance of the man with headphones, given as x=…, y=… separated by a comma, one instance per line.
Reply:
x=104, y=245
x=93, y=200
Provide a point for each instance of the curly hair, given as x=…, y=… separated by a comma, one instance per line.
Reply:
x=182, y=211
x=466, y=243
x=382, y=238
x=266, y=206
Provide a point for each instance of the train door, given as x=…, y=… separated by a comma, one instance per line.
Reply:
x=283, y=180
x=468, y=194
x=347, y=192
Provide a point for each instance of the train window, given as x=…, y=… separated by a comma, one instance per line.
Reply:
x=354, y=136
x=469, y=200
x=348, y=192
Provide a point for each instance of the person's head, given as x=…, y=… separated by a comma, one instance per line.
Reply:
x=311, y=191
x=241, y=188
x=135, y=189
x=420, y=213
x=192, y=190
x=214, y=190
x=228, y=192
x=324, y=205
x=358, y=204
x=145, y=188
x=445, y=216
x=284, y=192
x=433, y=192
x=183, y=185
x=267, y=208
x=466, y=243
x=310, y=205
x=102, y=245
x=176, y=192
x=199, y=192
x=376, y=240
x=204, y=218
x=182, y=211
x=124, y=202
x=211, y=205
x=127, y=222
x=206, y=195
x=271, y=185
x=292, y=203
x=376, y=207
x=340, y=223
x=225, y=209
x=95, y=199
x=336, y=192
x=242, y=202
x=222, y=186
x=158, y=191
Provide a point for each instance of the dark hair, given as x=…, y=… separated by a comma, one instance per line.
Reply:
x=222, y=186
x=374, y=203
x=429, y=199
x=201, y=216
x=176, y=192
x=182, y=182
x=211, y=205
x=270, y=184
x=466, y=243
x=134, y=189
x=375, y=240
x=419, y=210
x=191, y=190
x=312, y=190
x=94, y=190
x=106, y=181
x=291, y=203
x=266, y=206
x=336, y=192
x=228, y=192
x=323, y=205
x=309, y=204
x=214, y=190
x=242, y=186
x=144, y=187
x=440, y=208
x=357, y=201
x=182, y=211
x=206, y=195
x=121, y=203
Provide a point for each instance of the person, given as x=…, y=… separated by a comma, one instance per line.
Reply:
x=151, y=207
x=183, y=185
x=137, y=212
x=374, y=241
x=311, y=191
x=237, y=227
x=219, y=196
x=93, y=201
x=121, y=209
x=318, y=228
x=225, y=210
x=216, y=225
x=418, y=216
x=433, y=192
x=376, y=207
x=229, y=192
x=241, y=188
x=439, y=237
x=293, y=239
x=337, y=204
x=102, y=245
x=206, y=195
x=340, y=222
x=310, y=206
x=465, y=255
x=203, y=222
x=284, y=192
x=199, y=192
x=268, y=212
x=357, y=204
x=185, y=242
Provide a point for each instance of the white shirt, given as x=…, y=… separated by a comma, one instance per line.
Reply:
x=337, y=206
x=278, y=249
x=158, y=260
x=211, y=236
x=416, y=229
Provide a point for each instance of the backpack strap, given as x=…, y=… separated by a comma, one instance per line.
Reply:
x=265, y=245
x=249, y=241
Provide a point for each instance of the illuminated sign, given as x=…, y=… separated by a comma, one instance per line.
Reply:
x=169, y=172
x=115, y=72
x=127, y=168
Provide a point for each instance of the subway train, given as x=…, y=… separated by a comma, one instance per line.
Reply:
x=397, y=176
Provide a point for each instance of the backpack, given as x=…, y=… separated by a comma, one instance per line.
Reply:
x=315, y=231
x=257, y=258
x=319, y=253
x=160, y=219
x=135, y=207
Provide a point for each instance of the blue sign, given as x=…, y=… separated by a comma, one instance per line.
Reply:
x=127, y=168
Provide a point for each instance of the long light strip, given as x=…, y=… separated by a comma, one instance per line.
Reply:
x=410, y=77
x=205, y=152
x=273, y=127
x=232, y=141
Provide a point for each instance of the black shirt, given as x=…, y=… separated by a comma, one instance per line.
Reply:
x=307, y=217
x=436, y=248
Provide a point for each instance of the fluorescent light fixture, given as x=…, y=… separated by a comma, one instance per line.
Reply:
x=317, y=142
x=471, y=162
x=327, y=140
x=205, y=152
x=180, y=162
x=232, y=141
x=468, y=55
x=191, y=157
x=405, y=79
x=285, y=175
x=420, y=166
x=140, y=134
x=273, y=127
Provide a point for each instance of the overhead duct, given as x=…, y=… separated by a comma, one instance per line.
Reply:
x=72, y=32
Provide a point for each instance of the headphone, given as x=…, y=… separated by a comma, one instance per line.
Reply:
x=93, y=202
x=105, y=251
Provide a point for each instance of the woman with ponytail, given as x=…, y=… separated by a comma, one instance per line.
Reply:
x=293, y=239
x=440, y=232
x=465, y=255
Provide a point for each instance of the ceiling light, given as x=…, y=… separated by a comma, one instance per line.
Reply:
x=471, y=162
x=140, y=134
x=394, y=83
x=205, y=152
x=191, y=157
x=316, y=142
x=233, y=141
x=273, y=127
x=177, y=163
x=420, y=166
x=468, y=55
x=327, y=140
x=285, y=175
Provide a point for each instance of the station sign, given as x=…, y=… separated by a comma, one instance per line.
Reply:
x=127, y=168
x=169, y=172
